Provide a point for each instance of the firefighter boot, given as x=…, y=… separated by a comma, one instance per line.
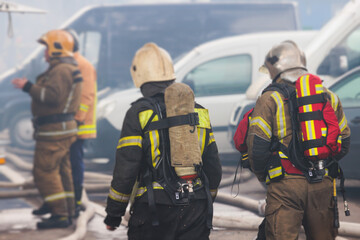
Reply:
x=54, y=222
x=44, y=209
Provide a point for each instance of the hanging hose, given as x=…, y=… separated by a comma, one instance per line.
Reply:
x=342, y=190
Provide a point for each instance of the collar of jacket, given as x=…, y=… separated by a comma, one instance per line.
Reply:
x=287, y=82
x=152, y=88
x=56, y=61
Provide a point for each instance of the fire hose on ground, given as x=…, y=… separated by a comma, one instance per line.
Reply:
x=248, y=223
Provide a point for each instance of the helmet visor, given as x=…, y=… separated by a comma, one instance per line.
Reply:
x=263, y=69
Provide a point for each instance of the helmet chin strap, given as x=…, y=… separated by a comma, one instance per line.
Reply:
x=289, y=69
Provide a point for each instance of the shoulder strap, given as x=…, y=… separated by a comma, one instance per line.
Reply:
x=191, y=119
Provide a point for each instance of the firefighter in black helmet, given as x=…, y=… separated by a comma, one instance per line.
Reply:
x=169, y=202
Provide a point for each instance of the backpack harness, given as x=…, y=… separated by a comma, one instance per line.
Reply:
x=315, y=135
x=180, y=190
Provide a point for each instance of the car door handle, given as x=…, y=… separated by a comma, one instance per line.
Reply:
x=356, y=120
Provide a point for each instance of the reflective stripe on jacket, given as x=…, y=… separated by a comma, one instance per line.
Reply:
x=271, y=118
x=138, y=149
x=87, y=110
x=56, y=91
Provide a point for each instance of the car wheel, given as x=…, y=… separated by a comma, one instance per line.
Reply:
x=21, y=130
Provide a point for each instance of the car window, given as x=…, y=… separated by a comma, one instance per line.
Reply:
x=90, y=46
x=223, y=76
x=348, y=90
x=343, y=57
x=125, y=29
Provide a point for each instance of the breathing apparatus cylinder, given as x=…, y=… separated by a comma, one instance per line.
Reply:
x=184, y=143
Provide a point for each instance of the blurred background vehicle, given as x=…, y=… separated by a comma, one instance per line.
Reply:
x=334, y=51
x=109, y=36
x=219, y=82
x=347, y=87
x=219, y=72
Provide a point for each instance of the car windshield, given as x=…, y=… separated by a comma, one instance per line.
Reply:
x=110, y=35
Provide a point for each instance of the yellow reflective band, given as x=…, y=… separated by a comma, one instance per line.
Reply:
x=339, y=139
x=280, y=115
x=144, y=117
x=54, y=197
x=204, y=118
x=142, y=190
x=117, y=196
x=69, y=194
x=201, y=137
x=155, y=143
x=307, y=86
x=334, y=100
x=343, y=124
x=57, y=133
x=282, y=155
x=84, y=107
x=83, y=132
x=130, y=141
x=262, y=124
x=213, y=192
x=324, y=132
x=267, y=179
x=86, y=129
x=211, y=138
x=275, y=172
x=313, y=151
x=319, y=88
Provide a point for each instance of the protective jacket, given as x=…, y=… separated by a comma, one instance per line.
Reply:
x=271, y=120
x=139, y=150
x=86, y=115
x=55, y=100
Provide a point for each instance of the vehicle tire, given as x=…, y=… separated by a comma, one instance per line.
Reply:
x=21, y=130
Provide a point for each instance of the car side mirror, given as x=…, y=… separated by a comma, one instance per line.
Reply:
x=335, y=64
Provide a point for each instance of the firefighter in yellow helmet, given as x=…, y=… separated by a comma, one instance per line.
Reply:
x=85, y=117
x=55, y=100
x=171, y=200
x=292, y=198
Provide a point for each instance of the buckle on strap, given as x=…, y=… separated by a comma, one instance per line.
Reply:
x=193, y=120
x=185, y=190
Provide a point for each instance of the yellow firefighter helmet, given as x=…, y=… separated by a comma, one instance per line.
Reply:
x=151, y=63
x=59, y=42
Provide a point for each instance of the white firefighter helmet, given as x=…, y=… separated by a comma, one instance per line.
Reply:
x=285, y=60
x=151, y=63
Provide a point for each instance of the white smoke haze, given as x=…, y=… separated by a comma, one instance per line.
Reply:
x=27, y=28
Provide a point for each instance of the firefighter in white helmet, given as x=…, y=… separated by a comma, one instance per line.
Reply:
x=295, y=197
x=55, y=100
x=172, y=198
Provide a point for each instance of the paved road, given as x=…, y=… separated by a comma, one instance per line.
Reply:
x=16, y=221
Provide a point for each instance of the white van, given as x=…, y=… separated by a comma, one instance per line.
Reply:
x=334, y=50
x=110, y=34
x=219, y=72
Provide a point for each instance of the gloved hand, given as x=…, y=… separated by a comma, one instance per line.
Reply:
x=79, y=122
x=112, y=222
